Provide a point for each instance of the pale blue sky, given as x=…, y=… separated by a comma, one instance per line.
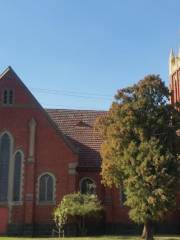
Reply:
x=74, y=47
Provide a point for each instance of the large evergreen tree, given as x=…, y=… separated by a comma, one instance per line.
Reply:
x=139, y=150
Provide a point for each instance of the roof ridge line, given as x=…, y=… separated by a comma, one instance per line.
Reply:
x=82, y=110
x=42, y=109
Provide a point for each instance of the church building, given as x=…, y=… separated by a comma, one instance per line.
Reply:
x=47, y=153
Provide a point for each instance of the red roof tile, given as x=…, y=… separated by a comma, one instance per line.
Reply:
x=78, y=126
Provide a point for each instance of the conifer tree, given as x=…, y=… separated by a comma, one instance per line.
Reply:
x=139, y=150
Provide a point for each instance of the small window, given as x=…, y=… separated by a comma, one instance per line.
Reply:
x=5, y=96
x=8, y=97
x=87, y=186
x=46, y=188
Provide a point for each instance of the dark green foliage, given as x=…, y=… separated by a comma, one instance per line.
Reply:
x=77, y=206
x=139, y=151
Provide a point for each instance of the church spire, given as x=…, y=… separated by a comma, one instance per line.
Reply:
x=174, y=75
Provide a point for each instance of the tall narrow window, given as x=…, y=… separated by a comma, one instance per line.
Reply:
x=4, y=166
x=5, y=96
x=46, y=188
x=17, y=176
x=87, y=186
x=10, y=96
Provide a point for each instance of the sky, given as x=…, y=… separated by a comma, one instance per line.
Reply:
x=77, y=53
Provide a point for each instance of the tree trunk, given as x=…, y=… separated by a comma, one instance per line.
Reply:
x=143, y=232
x=147, y=233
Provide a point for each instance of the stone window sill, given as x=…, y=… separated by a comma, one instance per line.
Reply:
x=17, y=203
x=11, y=203
x=45, y=203
x=5, y=204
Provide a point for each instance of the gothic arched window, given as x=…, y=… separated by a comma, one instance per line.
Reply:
x=5, y=143
x=46, y=188
x=87, y=186
x=17, y=176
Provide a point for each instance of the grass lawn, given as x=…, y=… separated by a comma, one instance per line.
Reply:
x=94, y=238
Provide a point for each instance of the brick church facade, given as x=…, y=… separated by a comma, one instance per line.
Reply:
x=47, y=153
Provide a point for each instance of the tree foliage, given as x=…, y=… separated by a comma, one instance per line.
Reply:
x=138, y=149
x=78, y=206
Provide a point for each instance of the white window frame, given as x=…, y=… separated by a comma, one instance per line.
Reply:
x=53, y=201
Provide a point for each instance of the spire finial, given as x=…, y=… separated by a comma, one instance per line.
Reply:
x=171, y=55
x=171, y=61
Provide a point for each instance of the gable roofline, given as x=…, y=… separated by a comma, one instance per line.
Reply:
x=52, y=123
x=9, y=68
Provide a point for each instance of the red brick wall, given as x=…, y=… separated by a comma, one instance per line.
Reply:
x=52, y=154
x=115, y=212
x=4, y=219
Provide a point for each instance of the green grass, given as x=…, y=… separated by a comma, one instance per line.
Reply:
x=94, y=238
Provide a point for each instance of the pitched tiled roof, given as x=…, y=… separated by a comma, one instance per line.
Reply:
x=78, y=126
